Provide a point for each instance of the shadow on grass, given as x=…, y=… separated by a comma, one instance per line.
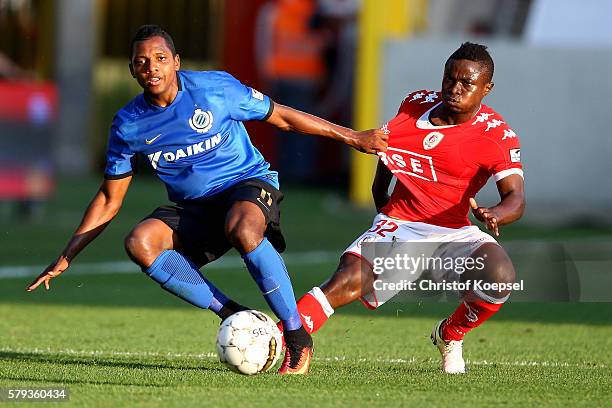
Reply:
x=100, y=361
x=78, y=362
x=64, y=381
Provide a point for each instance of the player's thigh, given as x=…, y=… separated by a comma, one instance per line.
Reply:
x=253, y=211
x=148, y=239
x=245, y=224
x=354, y=278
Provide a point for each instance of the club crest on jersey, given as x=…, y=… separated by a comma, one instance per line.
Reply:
x=432, y=140
x=201, y=121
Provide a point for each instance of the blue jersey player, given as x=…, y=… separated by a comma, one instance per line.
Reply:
x=189, y=127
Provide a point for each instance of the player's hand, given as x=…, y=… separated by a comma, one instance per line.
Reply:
x=370, y=141
x=52, y=271
x=485, y=215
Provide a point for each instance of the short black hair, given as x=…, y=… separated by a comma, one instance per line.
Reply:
x=148, y=31
x=477, y=53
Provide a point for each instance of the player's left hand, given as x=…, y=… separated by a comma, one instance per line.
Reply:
x=486, y=215
x=370, y=141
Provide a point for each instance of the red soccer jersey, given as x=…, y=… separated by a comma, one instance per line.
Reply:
x=440, y=167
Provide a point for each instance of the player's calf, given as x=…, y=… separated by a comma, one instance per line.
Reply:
x=344, y=287
x=150, y=245
x=448, y=334
x=352, y=279
x=477, y=306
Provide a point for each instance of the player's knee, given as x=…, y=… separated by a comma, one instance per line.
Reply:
x=498, y=267
x=243, y=236
x=133, y=245
x=501, y=271
x=139, y=249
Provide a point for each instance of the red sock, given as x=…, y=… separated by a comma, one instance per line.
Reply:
x=469, y=314
x=312, y=312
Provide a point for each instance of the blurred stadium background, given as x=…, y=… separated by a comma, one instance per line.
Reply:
x=63, y=74
x=63, y=69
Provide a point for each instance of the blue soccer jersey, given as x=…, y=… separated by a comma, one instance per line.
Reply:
x=197, y=145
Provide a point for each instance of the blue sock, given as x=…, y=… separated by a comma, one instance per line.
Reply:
x=179, y=276
x=218, y=298
x=268, y=269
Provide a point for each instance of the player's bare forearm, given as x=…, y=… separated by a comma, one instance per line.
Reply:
x=289, y=119
x=101, y=210
x=510, y=208
x=512, y=205
x=380, y=186
x=97, y=216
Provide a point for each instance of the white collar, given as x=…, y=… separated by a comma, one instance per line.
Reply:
x=424, y=123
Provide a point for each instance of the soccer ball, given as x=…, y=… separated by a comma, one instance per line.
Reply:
x=249, y=342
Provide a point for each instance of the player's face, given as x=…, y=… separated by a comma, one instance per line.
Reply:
x=154, y=66
x=464, y=85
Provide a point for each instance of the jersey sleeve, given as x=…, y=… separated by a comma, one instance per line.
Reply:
x=501, y=155
x=119, y=156
x=245, y=103
x=414, y=99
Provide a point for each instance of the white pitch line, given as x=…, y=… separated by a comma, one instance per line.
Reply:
x=213, y=356
x=234, y=261
x=101, y=268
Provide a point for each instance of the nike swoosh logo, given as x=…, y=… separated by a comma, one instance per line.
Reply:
x=149, y=141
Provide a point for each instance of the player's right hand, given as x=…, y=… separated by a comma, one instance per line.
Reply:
x=485, y=215
x=371, y=141
x=50, y=272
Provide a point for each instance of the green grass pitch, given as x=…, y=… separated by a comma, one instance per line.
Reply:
x=119, y=340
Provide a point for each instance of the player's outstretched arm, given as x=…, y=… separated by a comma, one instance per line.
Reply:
x=380, y=186
x=510, y=208
x=289, y=119
x=102, y=209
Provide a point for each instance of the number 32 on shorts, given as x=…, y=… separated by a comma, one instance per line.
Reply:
x=383, y=227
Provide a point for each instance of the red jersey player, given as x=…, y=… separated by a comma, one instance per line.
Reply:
x=443, y=146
